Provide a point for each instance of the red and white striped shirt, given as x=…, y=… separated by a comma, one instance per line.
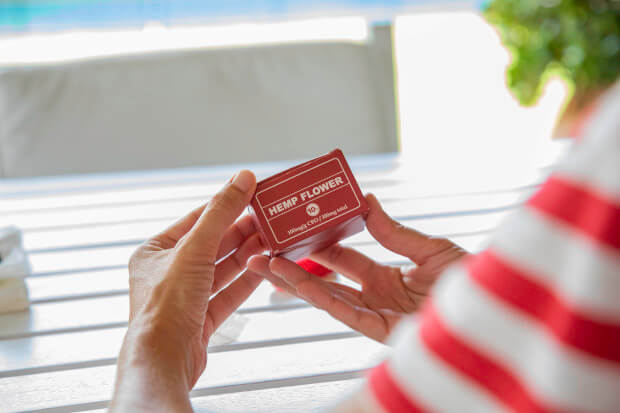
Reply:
x=532, y=324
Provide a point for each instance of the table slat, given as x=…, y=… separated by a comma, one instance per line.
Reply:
x=88, y=388
x=108, y=312
x=157, y=211
x=100, y=347
x=310, y=398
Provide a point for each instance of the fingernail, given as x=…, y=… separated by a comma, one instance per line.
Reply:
x=244, y=180
x=247, y=262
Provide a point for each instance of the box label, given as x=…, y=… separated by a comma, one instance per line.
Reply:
x=307, y=200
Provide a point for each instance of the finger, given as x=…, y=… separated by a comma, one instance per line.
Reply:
x=340, y=301
x=280, y=283
x=415, y=245
x=220, y=213
x=180, y=227
x=229, y=299
x=348, y=262
x=236, y=234
x=298, y=278
x=351, y=294
x=324, y=296
x=310, y=287
x=260, y=265
x=231, y=239
x=232, y=265
x=292, y=282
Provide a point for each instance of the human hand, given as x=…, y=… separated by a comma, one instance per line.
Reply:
x=387, y=292
x=179, y=291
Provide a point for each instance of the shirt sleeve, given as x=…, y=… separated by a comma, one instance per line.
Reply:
x=532, y=323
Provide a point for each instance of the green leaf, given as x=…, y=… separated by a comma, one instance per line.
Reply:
x=578, y=38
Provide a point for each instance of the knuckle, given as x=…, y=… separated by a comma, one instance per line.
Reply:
x=406, y=231
x=397, y=226
x=250, y=279
x=443, y=243
x=238, y=260
x=135, y=259
x=227, y=300
x=227, y=198
x=190, y=260
x=195, y=245
x=446, y=249
x=371, y=268
x=396, y=230
x=335, y=253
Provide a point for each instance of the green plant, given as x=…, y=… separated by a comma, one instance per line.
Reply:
x=577, y=39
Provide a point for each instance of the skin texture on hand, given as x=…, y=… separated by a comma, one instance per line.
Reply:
x=387, y=292
x=182, y=286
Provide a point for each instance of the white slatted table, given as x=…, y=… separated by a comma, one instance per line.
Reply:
x=80, y=231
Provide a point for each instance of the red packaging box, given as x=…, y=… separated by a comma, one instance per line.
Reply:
x=309, y=207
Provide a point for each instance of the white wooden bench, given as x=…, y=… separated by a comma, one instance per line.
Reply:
x=80, y=231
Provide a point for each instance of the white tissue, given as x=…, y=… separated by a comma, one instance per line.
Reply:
x=229, y=330
x=13, y=268
x=13, y=295
x=14, y=262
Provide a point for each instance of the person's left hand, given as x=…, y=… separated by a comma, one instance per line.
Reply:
x=387, y=294
x=179, y=283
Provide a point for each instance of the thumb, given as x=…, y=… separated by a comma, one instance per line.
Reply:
x=220, y=213
x=415, y=245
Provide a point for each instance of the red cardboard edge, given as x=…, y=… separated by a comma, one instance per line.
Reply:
x=279, y=248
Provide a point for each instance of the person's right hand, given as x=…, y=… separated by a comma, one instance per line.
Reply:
x=387, y=292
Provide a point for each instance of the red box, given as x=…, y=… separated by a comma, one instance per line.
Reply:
x=309, y=206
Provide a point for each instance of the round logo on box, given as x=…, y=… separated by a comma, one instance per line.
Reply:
x=313, y=209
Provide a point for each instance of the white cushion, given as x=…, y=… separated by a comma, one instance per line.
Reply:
x=14, y=261
x=13, y=295
x=197, y=108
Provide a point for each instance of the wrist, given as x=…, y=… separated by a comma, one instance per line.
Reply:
x=151, y=376
x=164, y=336
x=144, y=389
x=151, y=344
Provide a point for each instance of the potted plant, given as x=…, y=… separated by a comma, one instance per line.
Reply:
x=578, y=40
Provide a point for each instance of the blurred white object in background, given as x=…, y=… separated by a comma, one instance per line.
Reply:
x=14, y=267
x=38, y=48
x=326, y=84
x=229, y=330
x=461, y=129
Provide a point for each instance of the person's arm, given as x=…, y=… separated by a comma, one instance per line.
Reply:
x=145, y=385
x=182, y=287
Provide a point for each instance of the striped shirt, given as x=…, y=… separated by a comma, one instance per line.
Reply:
x=531, y=324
